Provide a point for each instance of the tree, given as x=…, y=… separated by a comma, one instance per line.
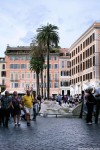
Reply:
x=36, y=62
x=48, y=36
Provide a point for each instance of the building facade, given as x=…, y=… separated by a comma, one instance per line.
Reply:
x=20, y=78
x=85, y=60
x=2, y=74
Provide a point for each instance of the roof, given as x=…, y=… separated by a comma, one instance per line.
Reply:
x=18, y=48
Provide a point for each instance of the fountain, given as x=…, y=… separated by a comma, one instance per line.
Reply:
x=49, y=108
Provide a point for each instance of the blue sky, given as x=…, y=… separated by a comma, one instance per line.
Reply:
x=19, y=20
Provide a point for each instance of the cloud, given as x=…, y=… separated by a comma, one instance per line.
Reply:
x=28, y=37
x=20, y=19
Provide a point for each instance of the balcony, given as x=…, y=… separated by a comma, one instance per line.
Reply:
x=14, y=80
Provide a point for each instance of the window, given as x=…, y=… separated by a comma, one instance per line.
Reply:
x=23, y=58
x=12, y=58
x=56, y=76
x=55, y=58
x=50, y=58
x=16, y=76
x=50, y=77
x=14, y=66
x=22, y=85
x=68, y=64
x=50, y=85
x=14, y=85
x=67, y=54
x=34, y=75
x=3, y=73
x=55, y=66
x=3, y=66
x=28, y=75
x=3, y=81
x=65, y=83
x=34, y=85
x=28, y=66
x=50, y=66
x=62, y=65
x=17, y=58
x=23, y=75
x=12, y=76
x=56, y=85
x=27, y=57
x=23, y=66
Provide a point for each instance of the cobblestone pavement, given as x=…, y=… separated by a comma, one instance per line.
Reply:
x=51, y=134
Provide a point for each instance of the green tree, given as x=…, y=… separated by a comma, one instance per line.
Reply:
x=48, y=36
x=36, y=63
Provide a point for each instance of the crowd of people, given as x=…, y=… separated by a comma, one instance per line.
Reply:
x=90, y=99
x=13, y=105
x=90, y=105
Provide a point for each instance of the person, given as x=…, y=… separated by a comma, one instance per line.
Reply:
x=27, y=103
x=0, y=110
x=89, y=103
x=82, y=101
x=5, y=108
x=16, y=105
x=59, y=99
x=39, y=98
x=97, y=97
x=35, y=108
x=65, y=99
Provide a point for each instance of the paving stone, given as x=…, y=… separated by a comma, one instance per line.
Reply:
x=50, y=133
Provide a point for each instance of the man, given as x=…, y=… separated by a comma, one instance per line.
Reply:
x=27, y=103
x=97, y=97
x=0, y=110
x=5, y=108
x=90, y=104
x=82, y=101
x=59, y=99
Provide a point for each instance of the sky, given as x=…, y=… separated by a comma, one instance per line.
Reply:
x=19, y=20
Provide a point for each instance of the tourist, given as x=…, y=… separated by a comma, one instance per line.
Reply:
x=97, y=97
x=35, y=108
x=16, y=105
x=82, y=101
x=39, y=98
x=89, y=103
x=27, y=103
x=5, y=108
x=0, y=110
x=65, y=99
x=59, y=99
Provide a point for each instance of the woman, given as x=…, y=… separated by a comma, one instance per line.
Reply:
x=5, y=108
x=16, y=105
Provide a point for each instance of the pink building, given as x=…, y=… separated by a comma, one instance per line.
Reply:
x=19, y=77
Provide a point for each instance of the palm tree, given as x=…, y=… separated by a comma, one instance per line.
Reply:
x=36, y=62
x=48, y=36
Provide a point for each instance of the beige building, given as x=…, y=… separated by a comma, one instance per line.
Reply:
x=64, y=71
x=2, y=74
x=85, y=60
